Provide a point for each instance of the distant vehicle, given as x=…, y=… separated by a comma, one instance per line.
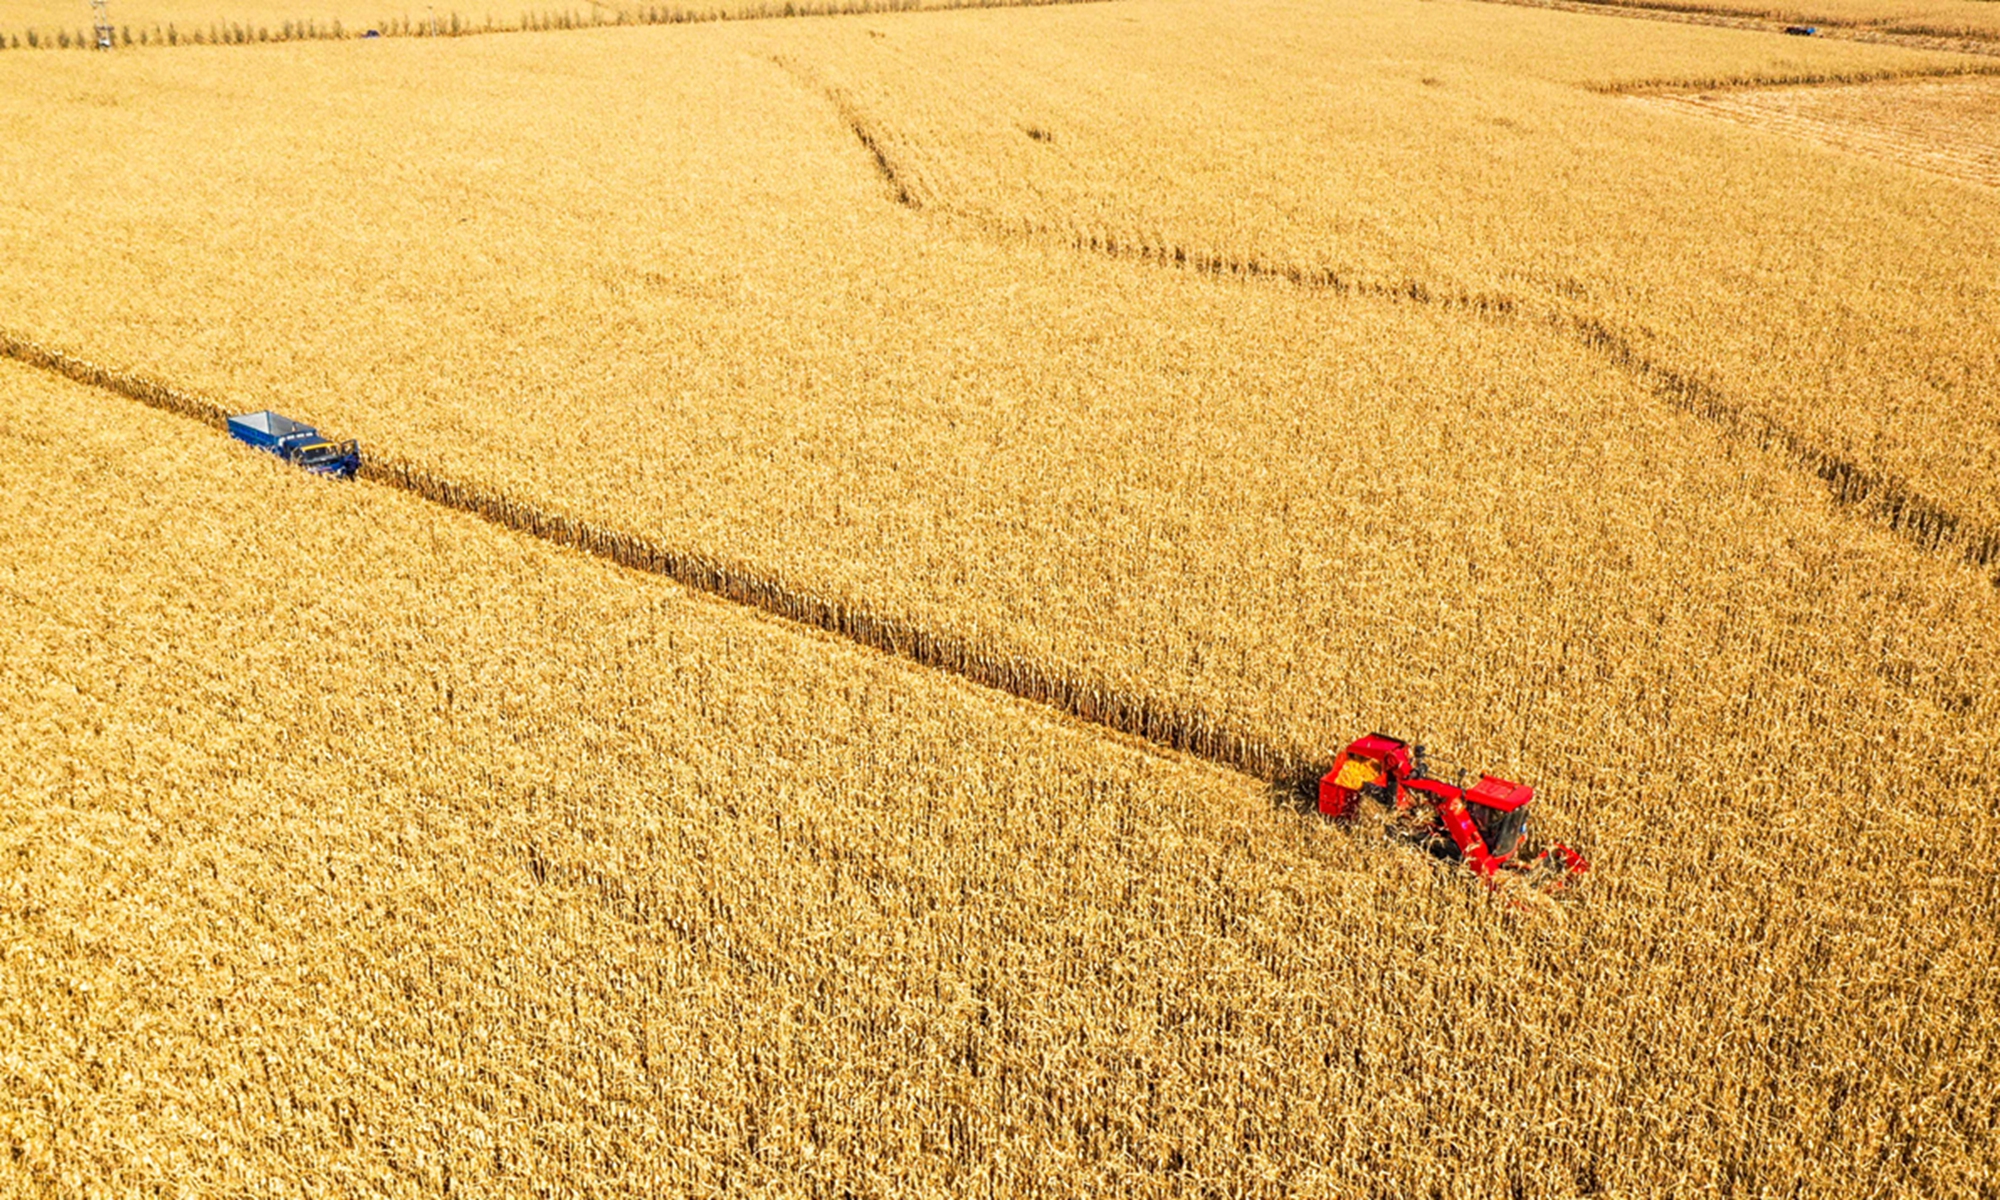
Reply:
x=1802, y=30
x=298, y=444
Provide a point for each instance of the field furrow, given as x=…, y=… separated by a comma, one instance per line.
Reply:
x=1892, y=502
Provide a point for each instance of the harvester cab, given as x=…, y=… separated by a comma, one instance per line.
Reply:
x=1484, y=826
x=1499, y=811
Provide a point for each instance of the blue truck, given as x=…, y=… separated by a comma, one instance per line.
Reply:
x=298, y=444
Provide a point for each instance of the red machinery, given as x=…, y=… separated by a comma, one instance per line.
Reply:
x=1483, y=824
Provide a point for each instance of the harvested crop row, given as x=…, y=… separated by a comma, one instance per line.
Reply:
x=451, y=855
x=990, y=665
x=1478, y=157
x=1888, y=500
x=157, y=23
x=1950, y=127
x=1180, y=488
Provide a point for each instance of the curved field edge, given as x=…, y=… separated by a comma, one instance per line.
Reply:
x=1426, y=150
x=1956, y=37
x=1892, y=502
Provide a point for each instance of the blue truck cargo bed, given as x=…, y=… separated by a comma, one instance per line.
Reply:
x=268, y=429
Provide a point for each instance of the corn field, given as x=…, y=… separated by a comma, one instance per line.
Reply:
x=868, y=524
x=1950, y=126
x=363, y=21
x=1965, y=25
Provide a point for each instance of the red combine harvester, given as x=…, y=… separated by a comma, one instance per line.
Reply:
x=1483, y=826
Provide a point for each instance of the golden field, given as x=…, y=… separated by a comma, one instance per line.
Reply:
x=356, y=847
x=1947, y=126
x=1320, y=368
x=172, y=24
x=722, y=334
x=1481, y=156
x=241, y=20
x=1974, y=20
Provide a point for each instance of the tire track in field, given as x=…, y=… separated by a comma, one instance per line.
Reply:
x=1881, y=497
x=1185, y=730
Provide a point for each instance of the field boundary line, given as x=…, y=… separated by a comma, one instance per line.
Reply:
x=1913, y=37
x=1880, y=496
x=456, y=25
x=1668, y=87
x=1183, y=730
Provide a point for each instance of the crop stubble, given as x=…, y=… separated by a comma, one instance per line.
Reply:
x=1950, y=127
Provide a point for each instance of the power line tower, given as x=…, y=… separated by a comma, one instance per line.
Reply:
x=100, y=16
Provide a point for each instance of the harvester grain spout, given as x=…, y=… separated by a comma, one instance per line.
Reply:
x=1485, y=826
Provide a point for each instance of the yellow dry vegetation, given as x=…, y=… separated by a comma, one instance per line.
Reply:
x=1301, y=365
x=719, y=331
x=1949, y=126
x=192, y=18
x=360, y=846
x=70, y=24
x=357, y=847
x=1850, y=300
x=1976, y=20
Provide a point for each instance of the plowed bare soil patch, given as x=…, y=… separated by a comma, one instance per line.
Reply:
x=1949, y=126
